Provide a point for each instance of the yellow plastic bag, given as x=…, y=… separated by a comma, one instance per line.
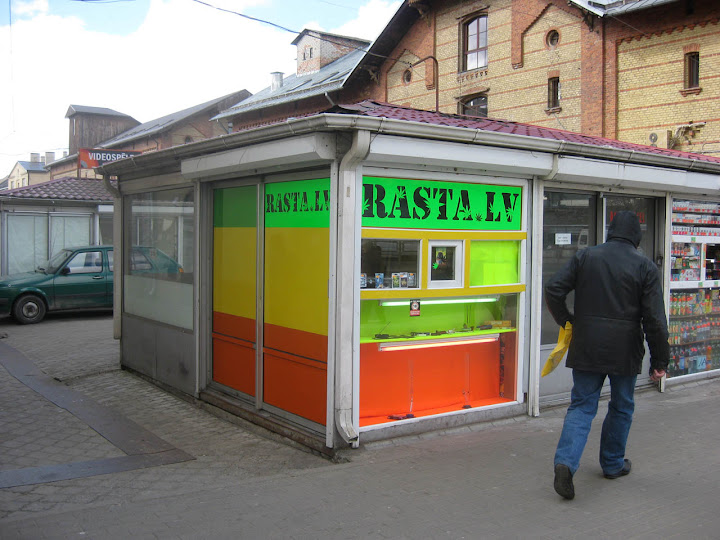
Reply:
x=564, y=338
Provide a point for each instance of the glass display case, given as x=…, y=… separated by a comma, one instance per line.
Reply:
x=433, y=355
x=694, y=311
x=444, y=340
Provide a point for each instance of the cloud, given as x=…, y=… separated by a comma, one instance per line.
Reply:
x=31, y=8
x=183, y=54
x=372, y=18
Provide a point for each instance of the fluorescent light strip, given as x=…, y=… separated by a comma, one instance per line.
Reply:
x=448, y=342
x=391, y=303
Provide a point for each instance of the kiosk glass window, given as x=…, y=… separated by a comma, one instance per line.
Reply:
x=569, y=226
x=389, y=263
x=644, y=209
x=158, y=282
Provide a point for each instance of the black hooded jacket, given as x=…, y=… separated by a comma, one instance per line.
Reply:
x=618, y=298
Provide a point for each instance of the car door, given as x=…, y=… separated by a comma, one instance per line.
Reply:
x=82, y=281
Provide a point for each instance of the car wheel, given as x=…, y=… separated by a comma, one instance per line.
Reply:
x=29, y=309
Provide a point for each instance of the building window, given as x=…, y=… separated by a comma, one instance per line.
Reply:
x=475, y=106
x=553, y=93
x=552, y=39
x=692, y=70
x=407, y=76
x=474, y=47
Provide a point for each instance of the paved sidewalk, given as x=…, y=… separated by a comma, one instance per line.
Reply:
x=489, y=481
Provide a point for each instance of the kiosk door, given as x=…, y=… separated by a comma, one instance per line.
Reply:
x=571, y=221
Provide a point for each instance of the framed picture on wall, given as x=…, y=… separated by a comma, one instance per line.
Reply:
x=446, y=262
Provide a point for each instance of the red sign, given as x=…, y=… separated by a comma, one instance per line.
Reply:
x=89, y=158
x=414, y=308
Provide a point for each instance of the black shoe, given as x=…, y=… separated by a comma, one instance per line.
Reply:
x=627, y=465
x=563, y=481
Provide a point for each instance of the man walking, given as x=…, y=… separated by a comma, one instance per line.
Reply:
x=618, y=299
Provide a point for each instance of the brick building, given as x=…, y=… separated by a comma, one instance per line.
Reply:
x=638, y=71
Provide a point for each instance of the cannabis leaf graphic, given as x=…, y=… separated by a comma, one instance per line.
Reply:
x=366, y=205
x=433, y=203
x=511, y=212
x=463, y=212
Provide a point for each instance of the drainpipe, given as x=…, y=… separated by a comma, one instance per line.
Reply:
x=555, y=163
x=344, y=291
x=117, y=256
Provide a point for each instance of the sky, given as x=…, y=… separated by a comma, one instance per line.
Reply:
x=147, y=58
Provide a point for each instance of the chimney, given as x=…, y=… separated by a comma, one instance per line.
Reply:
x=49, y=157
x=316, y=49
x=276, y=81
x=35, y=157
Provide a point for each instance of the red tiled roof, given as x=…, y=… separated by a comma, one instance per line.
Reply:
x=385, y=110
x=71, y=189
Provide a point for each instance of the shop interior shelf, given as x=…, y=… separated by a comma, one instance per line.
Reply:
x=695, y=284
x=697, y=342
x=696, y=316
x=430, y=336
x=716, y=211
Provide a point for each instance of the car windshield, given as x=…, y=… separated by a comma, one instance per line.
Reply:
x=55, y=262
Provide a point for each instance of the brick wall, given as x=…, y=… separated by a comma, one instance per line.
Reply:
x=314, y=53
x=619, y=79
x=651, y=84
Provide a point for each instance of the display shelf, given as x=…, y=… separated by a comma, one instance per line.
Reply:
x=695, y=239
x=433, y=337
x=696, y=219
x=696, y=207
x=690, y=317
x=694, y=322
x=677, y=285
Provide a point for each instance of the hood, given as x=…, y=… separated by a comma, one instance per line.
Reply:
x=25, y=279
x=625, y=225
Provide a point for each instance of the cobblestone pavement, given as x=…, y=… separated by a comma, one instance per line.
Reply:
x=79, y=351
x=490, y=480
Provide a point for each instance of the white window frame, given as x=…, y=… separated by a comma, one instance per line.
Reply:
x=459, y=280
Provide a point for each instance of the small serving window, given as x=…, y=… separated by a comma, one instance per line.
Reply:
x=446, y=264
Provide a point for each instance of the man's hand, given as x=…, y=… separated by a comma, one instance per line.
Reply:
x=657, y=374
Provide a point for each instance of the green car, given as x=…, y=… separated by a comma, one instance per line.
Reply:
x=74, y=279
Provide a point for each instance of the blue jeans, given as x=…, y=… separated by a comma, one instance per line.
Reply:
x=582, y=410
